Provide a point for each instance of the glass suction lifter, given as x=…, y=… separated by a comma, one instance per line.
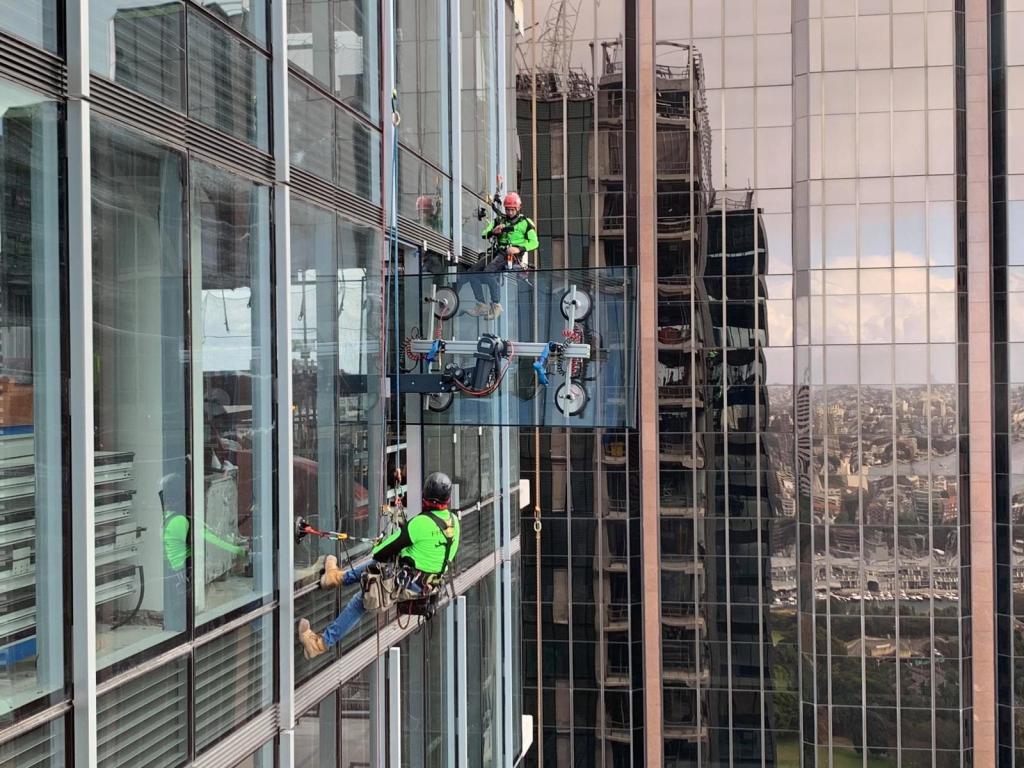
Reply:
x=492, y=355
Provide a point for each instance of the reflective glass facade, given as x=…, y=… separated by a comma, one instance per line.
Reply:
x=205, y=216
x=814, y=383
x=1007, y=57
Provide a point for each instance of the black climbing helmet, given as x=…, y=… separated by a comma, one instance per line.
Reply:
x=437, y=490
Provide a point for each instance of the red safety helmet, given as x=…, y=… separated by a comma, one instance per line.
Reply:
x=512, y=199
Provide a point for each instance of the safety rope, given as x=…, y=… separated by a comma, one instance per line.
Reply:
x=391, y=304
x=392, y=231
x=534, y=191
x=396, y=119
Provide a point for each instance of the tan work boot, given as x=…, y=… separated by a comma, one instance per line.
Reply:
x=480, y=310
x=495, y=311
x=333, y=574
x=312, y=643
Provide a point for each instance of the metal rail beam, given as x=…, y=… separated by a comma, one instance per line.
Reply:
x=530, y=348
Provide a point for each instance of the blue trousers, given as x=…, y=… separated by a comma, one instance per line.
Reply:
x=485, y=273
x=350, y=615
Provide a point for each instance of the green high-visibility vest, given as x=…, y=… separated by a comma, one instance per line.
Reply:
x=520, y=232
x=430, y=542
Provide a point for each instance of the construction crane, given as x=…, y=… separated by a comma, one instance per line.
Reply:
x=554, y=74
x=556, y=37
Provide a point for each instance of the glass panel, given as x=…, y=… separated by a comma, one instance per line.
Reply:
x=234, y=676
x=421, y=62
x=33, y=20
x=356, y=55
x=316, y=735
x=311, y=129
x=358, y=157
x=139, y=45
x=309, y=37
x=339, y=38
x=313, y=236
x=478, y=103
x=249, y=18
x=39, y=748
x=31, y=381
x=517, y=647
x=143, y=722
x=422, y=192
x=264, y=757
x=357, y=719
x=599, y=391
x=227, y=83
x=232, y=362
x=141, y=423
x=335, y=353
x=321, y=132
x=484, y=726
x=423, y=701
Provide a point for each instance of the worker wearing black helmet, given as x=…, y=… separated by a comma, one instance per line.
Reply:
x=427, y=544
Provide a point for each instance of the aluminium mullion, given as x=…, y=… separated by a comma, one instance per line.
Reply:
x=283, y=380
x=394, y=726
x=80, y=386
x=504, y=444
x=450, y=683
x=462, y=705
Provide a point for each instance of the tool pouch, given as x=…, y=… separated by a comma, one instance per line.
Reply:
x=378, y=589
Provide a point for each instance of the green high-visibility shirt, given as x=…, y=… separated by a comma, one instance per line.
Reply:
x=176, y=541
x=520, y=232
x=421, y=542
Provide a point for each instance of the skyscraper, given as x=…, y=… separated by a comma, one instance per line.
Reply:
x=816, y=512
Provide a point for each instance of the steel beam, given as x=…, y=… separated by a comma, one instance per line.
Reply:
x=528, y=348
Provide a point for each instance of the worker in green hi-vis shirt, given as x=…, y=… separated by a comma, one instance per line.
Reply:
x=176, y=549
x=426, y=544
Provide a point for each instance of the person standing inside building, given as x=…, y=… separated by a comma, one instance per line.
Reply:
x=177, y=549
x=427, y=544
x=514, y=236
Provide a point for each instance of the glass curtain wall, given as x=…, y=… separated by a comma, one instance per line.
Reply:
x=141, y=383
x=184, y=381
x=878, y=413
x=1007, y=18
x=340, y=730
x=483, y=707
x=422, y=78
x=336, y=44
x=724, y=129
x=335, y=354
x=222, y=83
x=35, y=21
x=573, y=186
x=479, y=100
x=425, y=699
x=233, y=508
x=170, y=532
x=32, y=453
